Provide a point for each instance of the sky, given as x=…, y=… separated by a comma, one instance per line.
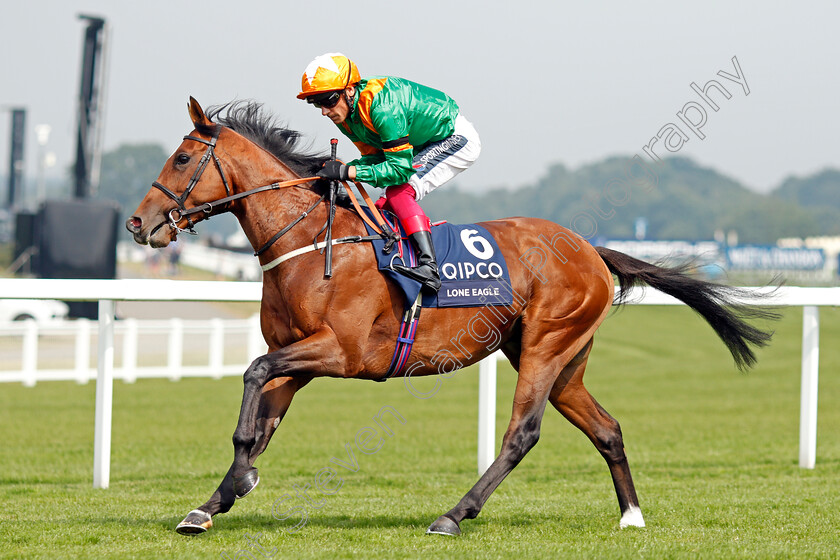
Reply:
x=543, y=81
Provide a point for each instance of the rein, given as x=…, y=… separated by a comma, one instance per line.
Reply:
x=382, y=230
x=196, y=176
x=181, y=212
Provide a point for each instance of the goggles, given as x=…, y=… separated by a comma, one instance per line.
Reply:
x=329, y=99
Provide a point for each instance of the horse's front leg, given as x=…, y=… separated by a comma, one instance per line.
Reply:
x=274, y=402
x=319, y=354
x=280, y=374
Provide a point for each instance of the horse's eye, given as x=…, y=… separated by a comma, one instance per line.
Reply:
x=182, y=159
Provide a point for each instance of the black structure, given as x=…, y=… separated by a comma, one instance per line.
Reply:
x=78, y=239
x=26, y=223
x=74, y=238
x=89, y=97
x=16, y=156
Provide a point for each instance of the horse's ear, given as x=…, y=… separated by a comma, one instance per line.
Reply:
x=197, y=113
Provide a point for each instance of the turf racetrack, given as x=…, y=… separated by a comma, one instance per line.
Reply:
x=714, y=455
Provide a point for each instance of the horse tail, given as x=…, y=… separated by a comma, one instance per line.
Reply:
x=716, y=303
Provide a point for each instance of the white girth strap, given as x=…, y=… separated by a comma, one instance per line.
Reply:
x=315, y=247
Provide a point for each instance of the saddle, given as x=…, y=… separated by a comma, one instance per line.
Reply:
x=473, y=271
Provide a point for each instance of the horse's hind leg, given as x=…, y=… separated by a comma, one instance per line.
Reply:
x=538, y=369
x=555, y=331
x=573, y=401
x=274, y=402
x=522, y=434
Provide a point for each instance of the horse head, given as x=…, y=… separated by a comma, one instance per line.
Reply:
x=179, y=197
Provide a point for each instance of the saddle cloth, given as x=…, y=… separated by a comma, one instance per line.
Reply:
x=473, y=271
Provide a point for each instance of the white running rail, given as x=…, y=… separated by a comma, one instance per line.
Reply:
x=106, y=292
x=193, y=348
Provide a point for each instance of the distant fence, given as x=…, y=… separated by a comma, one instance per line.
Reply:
x=186, y=342
x=221, y=262
x=814, y=260
x=106, y=292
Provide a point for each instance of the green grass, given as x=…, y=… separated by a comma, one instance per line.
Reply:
x=713, y=451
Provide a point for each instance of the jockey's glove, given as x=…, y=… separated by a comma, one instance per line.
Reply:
x=334, y=170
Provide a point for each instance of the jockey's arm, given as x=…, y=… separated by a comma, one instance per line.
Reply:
x=392, y=162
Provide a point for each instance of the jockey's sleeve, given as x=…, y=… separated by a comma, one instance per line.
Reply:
x=365, y=149
x=373, y=159
x=391, y=124
x=370, y=154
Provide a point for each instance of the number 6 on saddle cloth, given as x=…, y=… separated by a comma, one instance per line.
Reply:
x=473, y=271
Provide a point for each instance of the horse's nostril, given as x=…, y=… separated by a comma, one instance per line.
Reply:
x=133, y=223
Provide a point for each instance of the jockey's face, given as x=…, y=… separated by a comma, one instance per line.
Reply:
x=338, y=113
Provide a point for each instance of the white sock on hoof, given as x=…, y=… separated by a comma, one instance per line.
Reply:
x=632, y=518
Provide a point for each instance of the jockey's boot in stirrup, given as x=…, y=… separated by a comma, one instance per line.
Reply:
x=426, y=272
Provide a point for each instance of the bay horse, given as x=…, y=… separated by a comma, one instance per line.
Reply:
x=345, y=326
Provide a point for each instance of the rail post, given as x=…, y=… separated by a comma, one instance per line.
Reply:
x=217, y=347
x=104, y=396
x=175, y=358
x=810, y=382
x=30, y=353
x=486, y=412
x=82, y=358
x=129, y=357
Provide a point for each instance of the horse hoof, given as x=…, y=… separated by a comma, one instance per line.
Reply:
x=632, y=518
x=195, y=523
x=243, y=485
x=444, y=526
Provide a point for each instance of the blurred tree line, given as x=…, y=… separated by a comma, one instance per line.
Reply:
x=677, y=199
x=688, y=202
x=127, y=173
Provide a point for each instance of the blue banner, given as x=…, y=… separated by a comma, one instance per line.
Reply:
x=757, y=257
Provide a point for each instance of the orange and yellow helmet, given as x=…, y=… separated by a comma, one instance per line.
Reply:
x=328, y=72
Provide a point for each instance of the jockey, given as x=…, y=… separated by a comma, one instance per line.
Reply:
x=412, y=138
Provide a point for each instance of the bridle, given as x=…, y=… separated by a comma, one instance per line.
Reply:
x=182, y=210
x=177, y=214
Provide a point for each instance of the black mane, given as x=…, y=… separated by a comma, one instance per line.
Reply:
x=257, y=125
x=250, y=120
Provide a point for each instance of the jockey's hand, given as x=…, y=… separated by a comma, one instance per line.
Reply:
x=334, y=170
